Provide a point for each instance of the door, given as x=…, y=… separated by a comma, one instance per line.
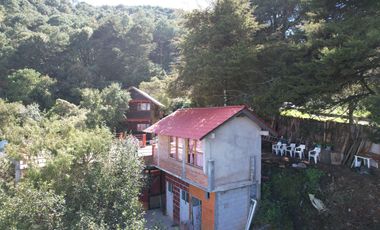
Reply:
x=184, y=207
x=196, y=213
x=169, y=199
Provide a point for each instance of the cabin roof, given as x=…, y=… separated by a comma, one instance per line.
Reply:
x=147, y=96
x=197, y=123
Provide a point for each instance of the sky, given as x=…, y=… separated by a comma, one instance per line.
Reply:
x=178, y=4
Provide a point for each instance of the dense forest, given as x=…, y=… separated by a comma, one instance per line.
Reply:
x=64, y=68
x=65, y=65
x=318, y=55
x=61, y=47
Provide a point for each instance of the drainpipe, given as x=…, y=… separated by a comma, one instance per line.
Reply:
x=252, y=210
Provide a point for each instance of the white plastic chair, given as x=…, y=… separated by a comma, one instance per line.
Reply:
x=282, y=149
x=300, y=151
x=314, y=154
x=276, y=148
x=290, y=149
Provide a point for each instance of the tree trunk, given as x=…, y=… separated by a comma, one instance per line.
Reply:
x=351, y=109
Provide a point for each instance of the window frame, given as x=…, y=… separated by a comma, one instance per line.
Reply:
x=143, y=106
x=185, y=196
x=193, y=151
x=170, y=187
x=177, y=146
x=146, y=125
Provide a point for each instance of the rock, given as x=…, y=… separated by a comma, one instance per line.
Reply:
x=299, y=165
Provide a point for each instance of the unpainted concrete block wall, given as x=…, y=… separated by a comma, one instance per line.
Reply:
x=232, y=209
x=234, y=144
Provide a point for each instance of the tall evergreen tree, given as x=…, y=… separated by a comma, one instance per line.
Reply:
x=218, y=53
x=337, y=64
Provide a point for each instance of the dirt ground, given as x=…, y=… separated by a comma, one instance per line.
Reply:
x=352, y=197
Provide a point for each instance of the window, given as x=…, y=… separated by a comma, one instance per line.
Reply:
x=143, y=106
x=173, y=147
x=185, y=196
x=195, y=154
x=176, y=148
x=170, y=187
x=141, y=127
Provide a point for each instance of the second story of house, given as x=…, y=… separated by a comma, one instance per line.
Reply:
x=143, y=111
x=216, y=148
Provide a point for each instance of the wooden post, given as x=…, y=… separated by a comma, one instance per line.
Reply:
x=144, y=140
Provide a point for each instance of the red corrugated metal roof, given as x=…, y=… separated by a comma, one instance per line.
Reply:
x=194, y=123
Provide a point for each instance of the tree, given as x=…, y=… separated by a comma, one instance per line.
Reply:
x=338, y=61
x=82, y=46
x=158, y=88
x=28, y=86
x=105, y=107
x=64, y=108
x=165, y=52
x=117, y=178
x=89, y=180
x=29, y=208
x=372, y=104
x=327, y=57
x=219, y=54
x=281, y=19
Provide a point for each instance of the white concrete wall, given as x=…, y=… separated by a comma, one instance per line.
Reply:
x=236, y=151
x=232, y=208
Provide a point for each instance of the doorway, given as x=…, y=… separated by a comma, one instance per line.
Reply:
x=196, y=213
x=169, y=199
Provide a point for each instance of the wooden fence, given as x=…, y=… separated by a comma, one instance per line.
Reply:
x=344, y=138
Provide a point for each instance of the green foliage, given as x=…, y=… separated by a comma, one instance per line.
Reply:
x=313, y=177
x=269, y=211
x=373, y=105
x=64, y=108
x=319, y=55
x=30, y=208
x=10, y=113
x=285, y=202
x=161, y=89
x=105, y=107
x=27, y=85
x=219, y=53
x=82, y=46
x=7, y=173
x=334, y=65
x=90, y=180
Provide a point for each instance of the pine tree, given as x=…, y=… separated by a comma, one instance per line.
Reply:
x=218, y=53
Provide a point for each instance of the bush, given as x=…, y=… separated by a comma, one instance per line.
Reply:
x=285, y=203
x=30, y=208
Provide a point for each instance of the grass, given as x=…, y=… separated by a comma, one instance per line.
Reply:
x=336, y=112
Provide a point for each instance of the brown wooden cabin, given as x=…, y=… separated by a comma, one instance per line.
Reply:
x=144, y=110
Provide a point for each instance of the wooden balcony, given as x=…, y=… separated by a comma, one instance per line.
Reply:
x=187, y=172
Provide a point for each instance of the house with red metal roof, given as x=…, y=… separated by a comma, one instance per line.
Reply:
x=210, y=164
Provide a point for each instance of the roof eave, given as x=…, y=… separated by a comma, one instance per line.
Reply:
x=150, y=98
